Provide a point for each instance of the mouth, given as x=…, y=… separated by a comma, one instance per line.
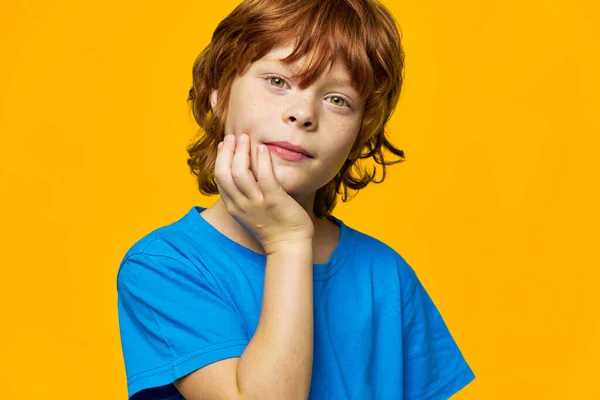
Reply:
x=288, y=151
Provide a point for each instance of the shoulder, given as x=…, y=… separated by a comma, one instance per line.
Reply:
x=376, y=253
x=370, y=247
x=170, y=247
x=156, y=241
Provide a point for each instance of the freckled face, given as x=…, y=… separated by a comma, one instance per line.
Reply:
x=324, y=118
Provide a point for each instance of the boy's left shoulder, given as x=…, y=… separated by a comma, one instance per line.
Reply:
x=372, y=247
x=383, y=259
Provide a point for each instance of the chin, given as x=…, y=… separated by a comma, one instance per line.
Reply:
x=293, y=182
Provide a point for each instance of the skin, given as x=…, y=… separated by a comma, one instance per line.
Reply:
x=324, y=118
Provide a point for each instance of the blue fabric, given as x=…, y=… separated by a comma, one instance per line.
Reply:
x=189, y=296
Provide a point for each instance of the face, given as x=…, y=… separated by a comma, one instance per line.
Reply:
x=324, y=118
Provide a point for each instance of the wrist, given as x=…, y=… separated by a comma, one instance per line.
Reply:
x=300, y=246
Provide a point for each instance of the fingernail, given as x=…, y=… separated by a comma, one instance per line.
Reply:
x=262, y=148
x=241, y=139
x=229, y=138
x=220, y=145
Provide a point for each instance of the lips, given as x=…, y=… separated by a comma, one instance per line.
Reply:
x=286, y=154
x=290, y=147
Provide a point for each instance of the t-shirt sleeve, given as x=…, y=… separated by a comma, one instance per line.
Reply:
x=434, y=367
x=173, y=320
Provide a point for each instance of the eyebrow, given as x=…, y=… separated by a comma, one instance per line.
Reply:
x=335, y=79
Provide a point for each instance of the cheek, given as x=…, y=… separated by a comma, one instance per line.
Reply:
x=340, y=149
x=249, y=115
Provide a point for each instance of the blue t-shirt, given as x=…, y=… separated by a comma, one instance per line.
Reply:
x=189, y=296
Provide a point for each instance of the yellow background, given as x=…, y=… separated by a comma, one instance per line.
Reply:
x=496, y=207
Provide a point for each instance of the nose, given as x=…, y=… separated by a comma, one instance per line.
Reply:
x=304, y=121
x=302, y=114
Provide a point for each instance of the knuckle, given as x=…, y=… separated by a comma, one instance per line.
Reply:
x=233, y=208
x=237, y=174
x=262, y=175
x=219, y=175
x=269, y=203
x=238, y=210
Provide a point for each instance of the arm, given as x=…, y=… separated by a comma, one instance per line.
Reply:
x=277, y=363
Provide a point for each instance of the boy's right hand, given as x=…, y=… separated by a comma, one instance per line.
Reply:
x=261, y=205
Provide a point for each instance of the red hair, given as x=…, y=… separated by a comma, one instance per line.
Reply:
x=362, y=33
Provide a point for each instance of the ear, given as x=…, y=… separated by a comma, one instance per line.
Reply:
x=214, y=95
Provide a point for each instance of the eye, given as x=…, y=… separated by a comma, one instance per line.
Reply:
x=279, y=80
x=276, y=78
x=339, y=102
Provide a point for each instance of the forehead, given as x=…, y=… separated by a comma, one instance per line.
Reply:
x=338, y=73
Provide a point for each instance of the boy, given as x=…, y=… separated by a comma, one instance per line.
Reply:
x=266, y=295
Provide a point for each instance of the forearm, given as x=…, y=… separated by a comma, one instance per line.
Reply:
x=277, y=363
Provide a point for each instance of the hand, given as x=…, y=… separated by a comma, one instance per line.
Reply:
x=261, y=205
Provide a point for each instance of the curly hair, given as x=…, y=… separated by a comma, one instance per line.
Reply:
x=360, y=32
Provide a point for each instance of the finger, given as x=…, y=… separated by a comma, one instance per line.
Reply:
x=223, y=169
x=221, y=189
x=266, y=176
x=225, y=196
x=240, y=168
